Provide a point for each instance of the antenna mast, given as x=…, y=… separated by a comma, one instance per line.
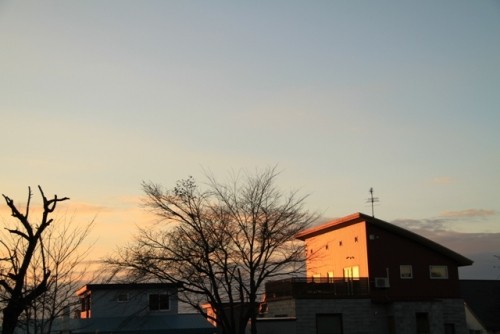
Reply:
x=372, y=200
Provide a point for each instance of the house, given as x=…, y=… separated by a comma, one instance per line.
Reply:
x=107, y=300
x=365, y=275
x=132, y=308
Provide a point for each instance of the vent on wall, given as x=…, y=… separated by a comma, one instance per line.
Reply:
x=382, y=282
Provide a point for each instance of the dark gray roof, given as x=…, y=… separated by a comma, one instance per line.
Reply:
x=123, y=286
x=126, y=286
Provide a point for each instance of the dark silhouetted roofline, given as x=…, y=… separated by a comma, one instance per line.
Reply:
x=126, y=286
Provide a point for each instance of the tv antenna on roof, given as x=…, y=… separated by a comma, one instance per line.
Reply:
x=372, y=200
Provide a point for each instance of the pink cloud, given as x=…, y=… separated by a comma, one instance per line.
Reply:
x=469, y=213
x=479, y=247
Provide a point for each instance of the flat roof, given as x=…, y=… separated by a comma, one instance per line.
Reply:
x=125, y=286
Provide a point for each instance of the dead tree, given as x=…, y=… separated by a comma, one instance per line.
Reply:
x=220, y=244
x=65, y=254
x=19, y=289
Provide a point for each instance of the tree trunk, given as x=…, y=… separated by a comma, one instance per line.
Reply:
x=10, y=316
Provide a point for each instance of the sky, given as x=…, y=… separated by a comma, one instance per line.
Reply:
x=99, y=96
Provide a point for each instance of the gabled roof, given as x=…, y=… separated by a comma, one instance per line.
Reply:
x=359, y=217
x=126, y=286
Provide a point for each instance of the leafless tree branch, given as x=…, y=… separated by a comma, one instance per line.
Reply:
x=221, y=243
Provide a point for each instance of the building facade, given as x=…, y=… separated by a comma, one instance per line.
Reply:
x=150, y=308
x=365, y=275
x=111, y=300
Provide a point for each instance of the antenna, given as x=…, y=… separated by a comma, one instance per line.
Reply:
x=372, y=200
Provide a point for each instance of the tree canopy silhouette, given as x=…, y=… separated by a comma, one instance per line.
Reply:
x=19, y=288
x=220, y=244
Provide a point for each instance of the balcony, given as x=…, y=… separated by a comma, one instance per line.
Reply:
x=317, y=288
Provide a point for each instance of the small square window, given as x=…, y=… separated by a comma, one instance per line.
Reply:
x=438, y=272
x=406, y=271
x=159, y=302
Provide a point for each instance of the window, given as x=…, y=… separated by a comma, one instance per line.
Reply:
x=159, y=302
x=316, y=278
x=85, y=303
x=329, y=323
x=122, y=297
x=351, y=273
x=422, y=323
x=438, y=272
x=355, y=272
x=330, y=277
x=406, y=271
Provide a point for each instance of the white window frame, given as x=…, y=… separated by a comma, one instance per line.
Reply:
x=406, y=271
x=436, y=268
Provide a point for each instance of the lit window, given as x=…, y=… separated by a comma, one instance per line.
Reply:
x=438, y=272
x=158, y=302
x=406, y=271
x=317, y=278
x=351, y=273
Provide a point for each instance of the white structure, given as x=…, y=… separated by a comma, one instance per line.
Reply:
x=150, y=308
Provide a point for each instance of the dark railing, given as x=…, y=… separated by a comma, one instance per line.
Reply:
x=311, y=287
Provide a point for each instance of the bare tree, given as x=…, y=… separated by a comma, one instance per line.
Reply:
x=65, y=257
x=24, y=243
x=220, y=244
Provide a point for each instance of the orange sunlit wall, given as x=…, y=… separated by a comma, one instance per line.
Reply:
x=337, y=252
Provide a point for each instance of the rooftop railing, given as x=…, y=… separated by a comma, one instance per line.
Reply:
x=312, y=287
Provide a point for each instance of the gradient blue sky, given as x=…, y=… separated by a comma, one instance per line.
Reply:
x=96, y=96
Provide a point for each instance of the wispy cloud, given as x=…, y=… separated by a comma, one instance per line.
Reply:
x=469, y=213
x=422, y=224
x=479, y=247
x=63, y=207
x=443, y=180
